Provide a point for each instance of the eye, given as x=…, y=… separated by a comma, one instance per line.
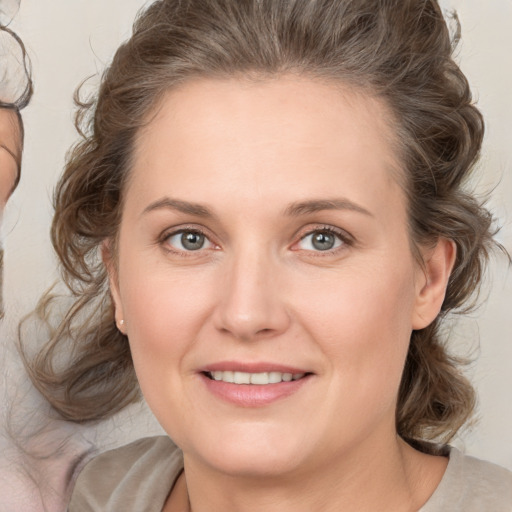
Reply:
x=188, y=240
x=320, y=240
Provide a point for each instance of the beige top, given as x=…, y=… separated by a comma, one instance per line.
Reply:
x=138, y=477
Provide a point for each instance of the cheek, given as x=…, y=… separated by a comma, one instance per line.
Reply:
x=362, y=319
x=8, y=174
x=164, y=312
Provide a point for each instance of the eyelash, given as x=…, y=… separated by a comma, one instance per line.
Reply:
x=343, y=236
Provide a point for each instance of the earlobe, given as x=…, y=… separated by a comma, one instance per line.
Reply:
x=108, y=260
x=432, y=282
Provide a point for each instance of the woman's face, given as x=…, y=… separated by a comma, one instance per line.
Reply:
x=264, y=237
x=10, y=147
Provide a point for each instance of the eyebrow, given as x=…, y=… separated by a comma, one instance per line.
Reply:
x=316, y=205
x=186, y=207
x=293, y=210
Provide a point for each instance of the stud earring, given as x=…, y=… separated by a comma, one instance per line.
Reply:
x=121, y=322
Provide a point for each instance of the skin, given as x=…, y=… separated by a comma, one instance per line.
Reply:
x=10, y=155
x=10, y=152
x=259, y=290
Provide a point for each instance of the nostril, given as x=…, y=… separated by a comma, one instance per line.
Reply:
x=264, y=331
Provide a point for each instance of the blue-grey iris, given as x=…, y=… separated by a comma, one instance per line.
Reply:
x=323, y=241
x=192, y=241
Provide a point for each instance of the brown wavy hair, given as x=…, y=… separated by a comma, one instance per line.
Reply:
x=397, y=50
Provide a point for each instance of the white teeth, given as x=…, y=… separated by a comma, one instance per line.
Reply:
x=228, y=376
x=259, y=379
x=274, y=377
x=242, y=378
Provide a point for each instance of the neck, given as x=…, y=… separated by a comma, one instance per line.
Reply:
x=396, y=479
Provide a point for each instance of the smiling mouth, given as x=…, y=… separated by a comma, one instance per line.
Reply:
x=258, y=379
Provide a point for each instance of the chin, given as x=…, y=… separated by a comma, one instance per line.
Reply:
x=254, y=463
x=251, y=451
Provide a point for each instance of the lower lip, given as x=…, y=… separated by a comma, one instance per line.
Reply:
x=253, y=395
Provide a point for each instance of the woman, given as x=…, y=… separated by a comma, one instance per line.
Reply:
x=15, y=94
x=265, y=226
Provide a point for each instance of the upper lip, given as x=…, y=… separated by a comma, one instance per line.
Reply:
x=252, y=367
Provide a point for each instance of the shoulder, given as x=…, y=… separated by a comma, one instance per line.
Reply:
x=135, y=477
x=472, y=485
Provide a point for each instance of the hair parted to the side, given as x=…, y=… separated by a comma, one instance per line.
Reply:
x=397, y=50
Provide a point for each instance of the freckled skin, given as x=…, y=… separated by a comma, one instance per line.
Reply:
x=259, y=291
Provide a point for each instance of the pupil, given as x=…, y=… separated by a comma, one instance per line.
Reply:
x=192, y=241
x=323, y=241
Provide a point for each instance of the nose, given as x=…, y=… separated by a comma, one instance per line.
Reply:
x=250, y=303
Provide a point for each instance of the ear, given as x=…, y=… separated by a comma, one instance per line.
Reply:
x=108, y=258
x=432, y=281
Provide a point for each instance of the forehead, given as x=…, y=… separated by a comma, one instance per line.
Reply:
x=287, y=98
x=270, y=135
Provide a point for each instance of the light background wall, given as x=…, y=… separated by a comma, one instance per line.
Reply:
x=69, y=40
